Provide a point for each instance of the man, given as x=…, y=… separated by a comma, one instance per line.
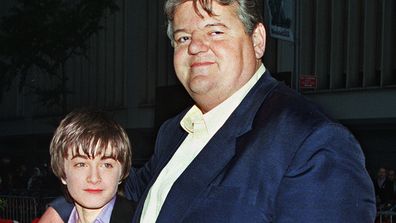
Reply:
x=383, y=187
x=250, y=149
x=392, y=176
x=392, y=179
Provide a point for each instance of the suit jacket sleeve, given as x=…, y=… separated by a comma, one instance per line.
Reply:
x=138, y=179
x=62, y=207
x=316, y=186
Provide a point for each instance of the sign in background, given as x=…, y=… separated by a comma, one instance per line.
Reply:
x=308, y=82
x=280, y=14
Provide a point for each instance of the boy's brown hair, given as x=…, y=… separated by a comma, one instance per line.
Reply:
x=90, y=132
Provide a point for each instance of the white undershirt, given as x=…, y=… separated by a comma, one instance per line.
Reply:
x=200, y=128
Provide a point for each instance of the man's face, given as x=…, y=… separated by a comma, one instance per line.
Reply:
x=382, y=172
x=213, y=56
x=92, y=182
x=391, y=175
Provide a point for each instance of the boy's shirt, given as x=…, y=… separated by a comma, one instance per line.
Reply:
x=103, y=217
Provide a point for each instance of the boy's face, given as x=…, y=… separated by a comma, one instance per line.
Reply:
x=92, y=182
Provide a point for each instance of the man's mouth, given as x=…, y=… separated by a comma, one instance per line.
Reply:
x=200, y=64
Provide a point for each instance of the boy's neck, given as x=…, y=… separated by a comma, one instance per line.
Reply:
x=87, y=215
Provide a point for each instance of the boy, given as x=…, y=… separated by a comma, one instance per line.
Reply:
x=91, y=155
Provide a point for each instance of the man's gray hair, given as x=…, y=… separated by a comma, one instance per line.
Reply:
x=247, y=10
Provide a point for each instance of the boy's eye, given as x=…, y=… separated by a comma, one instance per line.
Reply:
x=79, y=164
x=108, y=165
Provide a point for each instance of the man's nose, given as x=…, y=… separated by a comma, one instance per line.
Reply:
x=94, y=175
x=198, y=44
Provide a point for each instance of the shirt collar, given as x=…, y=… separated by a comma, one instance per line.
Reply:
x=211, y=121
x=105, y=214
x=103, y=217
x=194, y=122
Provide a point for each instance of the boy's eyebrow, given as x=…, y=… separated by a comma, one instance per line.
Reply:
x=86, y=157
x=80, y=156
x=107, y=157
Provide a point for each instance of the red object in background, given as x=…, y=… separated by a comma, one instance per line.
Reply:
x=36, y=220
x=308, y=81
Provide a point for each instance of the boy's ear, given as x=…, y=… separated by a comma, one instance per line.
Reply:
x=63, y=181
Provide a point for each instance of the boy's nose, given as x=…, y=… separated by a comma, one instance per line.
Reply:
x=94, y=176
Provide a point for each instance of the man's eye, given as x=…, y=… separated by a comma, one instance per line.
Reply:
x=215, y=33
x=182, y=39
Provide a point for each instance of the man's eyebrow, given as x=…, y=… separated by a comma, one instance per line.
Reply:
x=216, y=24
x=206, y=26
x=178, y=31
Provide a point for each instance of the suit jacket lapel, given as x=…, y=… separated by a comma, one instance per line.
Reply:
x=204, y=168
x=172, y=144
x=195, y=179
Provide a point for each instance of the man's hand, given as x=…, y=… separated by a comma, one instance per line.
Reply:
x=50, y=216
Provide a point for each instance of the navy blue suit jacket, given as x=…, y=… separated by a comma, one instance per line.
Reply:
x=278, y=158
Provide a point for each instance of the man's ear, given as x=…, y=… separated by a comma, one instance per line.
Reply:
x=63, y=181
x=259, y=37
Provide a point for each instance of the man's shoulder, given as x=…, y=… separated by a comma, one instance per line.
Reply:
x=289, y=105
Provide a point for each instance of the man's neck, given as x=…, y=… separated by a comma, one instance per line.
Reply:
x=205, y=104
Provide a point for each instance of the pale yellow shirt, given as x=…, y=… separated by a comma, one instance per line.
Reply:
x=200, y=128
